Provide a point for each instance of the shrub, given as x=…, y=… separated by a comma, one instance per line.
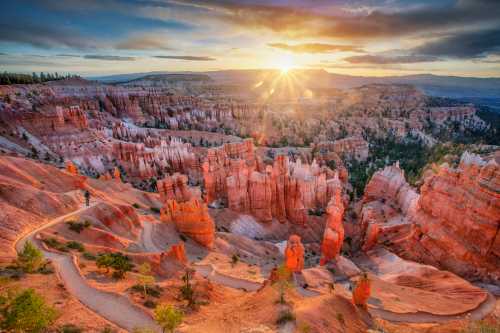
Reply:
x=89, y=256
x=26, y=312
x=153, y=291
x=284, y=317
x=78, y=226
x=234, y=259
x=168, y=317
x=30, y=259
x=183, y=237
x=340, y=318
x=75, y=246
x=70, y=328
x=119, y=262
x=155, y=210
x=150, y=304
x=55, y=244
x=482, y=326
x=136, y=206
x=108, y=329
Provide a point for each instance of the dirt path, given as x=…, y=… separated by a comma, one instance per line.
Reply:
x=213, y=275
x=114, y=307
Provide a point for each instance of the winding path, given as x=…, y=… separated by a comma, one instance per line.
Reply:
x=114, y=307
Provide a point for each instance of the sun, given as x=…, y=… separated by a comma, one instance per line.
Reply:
x=285, y=64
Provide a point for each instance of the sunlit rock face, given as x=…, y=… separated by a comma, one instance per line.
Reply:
x=294, y=254
x=190, y=218
x=453, y=224
x=333, y=237
x=177, y=252
x=285, y=190
x=352, y=147
x=174, y=187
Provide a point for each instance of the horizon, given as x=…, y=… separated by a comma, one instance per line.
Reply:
x=371, y=38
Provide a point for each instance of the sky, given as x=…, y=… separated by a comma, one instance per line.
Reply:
x=354, y=37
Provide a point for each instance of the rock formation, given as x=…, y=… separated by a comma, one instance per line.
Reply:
x=178, y=253
x=362, y=291
x=453, y=224
x=190, y=218
x=174, y=187
x=333, y=237
x=285, y=191
x=294, y=254
x=71, y=168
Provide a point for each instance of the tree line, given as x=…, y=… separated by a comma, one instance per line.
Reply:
x=18, y=78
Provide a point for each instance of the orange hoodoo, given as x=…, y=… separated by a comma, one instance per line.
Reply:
x=117, y=175
x=71, y=168
x=190, y=218
x=294, y=254
x=333, y=236
x=362, y=291
x=178, y=253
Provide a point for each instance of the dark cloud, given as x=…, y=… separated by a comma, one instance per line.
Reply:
x=385, y=59
x=315, y=47
x=300, y=22
x=108, y=57
x=68, y=55
x=190, y=58
x=42, y=36
x=463, y=45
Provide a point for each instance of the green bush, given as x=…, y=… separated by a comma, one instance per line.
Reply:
x=155, y=210
x=168, y=317
x=55, y=244
x=89, y=256
x=153, y=291
x=137, y=206
x=75, y=246
x=119, y=262
x=25, y=312
x=30, y=259
x=78, y=227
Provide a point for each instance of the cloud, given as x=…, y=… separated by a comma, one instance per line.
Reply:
x=185, y=57
x=315, y=47
x=301, y=22
x=42, y=36
x=63, y=55
x=144, y=42
x=386, y=59
x=108, y=57
x=469, y=44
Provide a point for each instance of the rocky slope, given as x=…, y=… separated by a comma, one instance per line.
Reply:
x=453, y=223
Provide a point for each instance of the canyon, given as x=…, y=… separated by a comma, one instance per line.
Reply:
x=224, y=193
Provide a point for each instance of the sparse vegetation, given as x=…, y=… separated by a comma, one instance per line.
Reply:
x=70, y=328
x=340, y=318
x=284, y=317
x=30, y=259
x=25, y=311
x=74, y=245
x=136, y=206
x=55, y=244
x=120, y=263
x=89, y=256
x=78, y=227
x=482, y=326
x=168, y=317
x=144, y=277
x=283, y=282
x=235, y=258
x=187, y=291
x=155, y=210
